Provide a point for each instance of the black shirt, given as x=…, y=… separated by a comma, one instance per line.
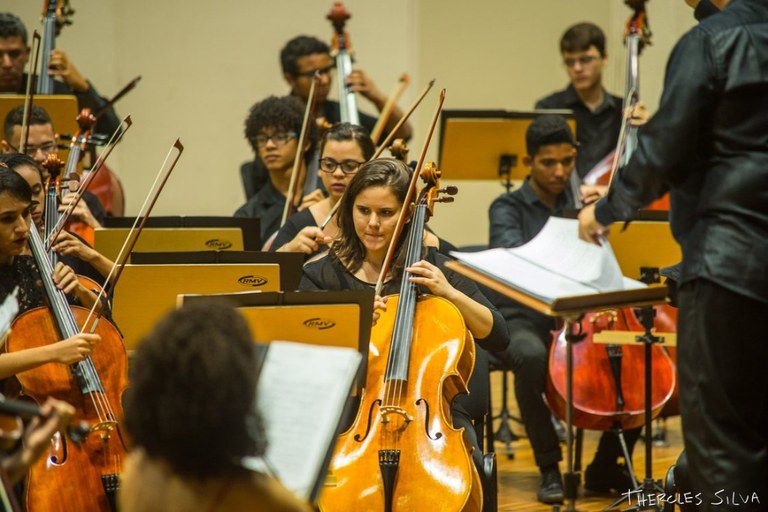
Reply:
x=327, y=273
x=596, y=132
x=708, y=145
x=267, y=206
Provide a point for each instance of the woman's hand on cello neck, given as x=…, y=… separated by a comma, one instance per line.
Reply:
x=66, y=280
x=74, y=349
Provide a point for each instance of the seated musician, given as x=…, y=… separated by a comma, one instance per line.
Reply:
x=273, y=128
x=67, y=79
x=515, y=218
x=299, y=59
x=41, y=142
x=72, y=250
x=17, y=269
x=191, y=415
x=367, y=218
x=343, y=149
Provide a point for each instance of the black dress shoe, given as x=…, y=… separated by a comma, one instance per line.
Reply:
x=551, y=487
x=613, y=478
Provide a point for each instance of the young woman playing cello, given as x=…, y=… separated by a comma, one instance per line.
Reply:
x=367, y=218
x=16, y=269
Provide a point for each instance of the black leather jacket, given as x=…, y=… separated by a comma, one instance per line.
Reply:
x=708, y=144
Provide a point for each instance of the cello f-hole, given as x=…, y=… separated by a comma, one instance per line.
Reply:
x=359, y=438
x=437, y=435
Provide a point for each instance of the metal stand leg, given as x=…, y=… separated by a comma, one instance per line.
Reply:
x=505, y=433
x=571, y=477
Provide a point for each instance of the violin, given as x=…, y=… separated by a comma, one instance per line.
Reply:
x=338, y=16
x=82, y=478
x=402, y=451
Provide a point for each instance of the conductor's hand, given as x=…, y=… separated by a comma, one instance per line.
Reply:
x=73, y=349
x=426, y=274
x=589, y=229
x=307, y=241
x=379, y=305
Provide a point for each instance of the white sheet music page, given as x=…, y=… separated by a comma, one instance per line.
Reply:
x=554, y=264
x=8, y=311
x=301, y=392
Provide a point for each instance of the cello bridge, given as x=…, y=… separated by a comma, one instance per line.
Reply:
x=105, y=427
x=386, y=410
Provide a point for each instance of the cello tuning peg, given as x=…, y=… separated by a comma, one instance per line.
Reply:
x=446, y=199
x=451, y=190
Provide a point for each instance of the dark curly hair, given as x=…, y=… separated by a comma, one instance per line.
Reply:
x=546, y=130
x=381, y=172
x=285, y=113
x=581, y=36
x=191, y=398
x=300, y=46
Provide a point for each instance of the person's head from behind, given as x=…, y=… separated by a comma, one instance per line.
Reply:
x=15, y=214
x=273, y=127
x=369, y=211
x=14, y=52
x=27, y=168
x=300, y=58
x=551, y=156
x=41, y=139
x=583, y=50
x=344, y=147
x=191, y=399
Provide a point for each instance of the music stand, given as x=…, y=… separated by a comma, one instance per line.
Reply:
x=250, y=226
x=324, y=318
x=487, y=144
x=641, y=250
x=571, y=309
x=291, y=263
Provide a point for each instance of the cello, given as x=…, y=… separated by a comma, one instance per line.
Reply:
x=347, y=101
x=402, y=451
x=81, y=478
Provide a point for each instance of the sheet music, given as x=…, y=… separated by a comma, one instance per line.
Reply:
x=8, y=311
x=555, y=263
x=301, y=392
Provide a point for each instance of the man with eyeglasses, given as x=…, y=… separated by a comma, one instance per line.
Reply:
x=272, y=128
x=41, y=142
x=14, y=54
x=598, y=113
x=302, y=56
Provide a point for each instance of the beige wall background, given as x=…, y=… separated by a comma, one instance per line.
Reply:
x=203, y=64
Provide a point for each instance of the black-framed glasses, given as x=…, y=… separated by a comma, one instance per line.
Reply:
x=322, y=71
x=330, y=165
x=31, y=150
x=278, y=138
x=584, y=60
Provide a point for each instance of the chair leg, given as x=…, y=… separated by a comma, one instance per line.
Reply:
x=490, y=483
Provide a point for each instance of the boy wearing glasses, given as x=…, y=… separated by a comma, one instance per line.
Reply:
x=515, y=218
x=598, y=113
x=272, y=128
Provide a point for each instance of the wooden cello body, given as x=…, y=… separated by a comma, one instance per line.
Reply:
x=84, y=477
x=435, y=470
x=402, y=452
x=608, y=380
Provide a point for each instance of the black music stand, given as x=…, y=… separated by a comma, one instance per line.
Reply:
x=487, y=144
x=571, y=309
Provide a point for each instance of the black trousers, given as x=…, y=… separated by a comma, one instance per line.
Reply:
x=527, y=356
x=723, y=368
